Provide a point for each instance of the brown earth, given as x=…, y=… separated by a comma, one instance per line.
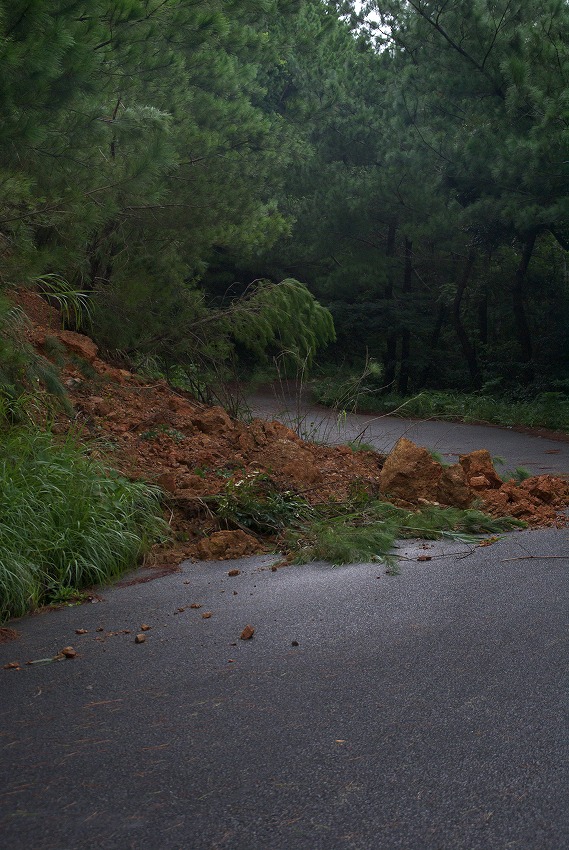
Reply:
x=145, y=429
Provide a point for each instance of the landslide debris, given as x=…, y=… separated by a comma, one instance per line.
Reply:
x=145, y=429
x=411, y=476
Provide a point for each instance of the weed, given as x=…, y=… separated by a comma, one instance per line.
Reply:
x=225, y=472
x=438, y=457
x=349, y=390
x=83, y=366
x=521, y=474
x=55, y=350
x=161, y=431
x=100, y=446
x=61, y=595
x=29, y=383
x=343, y=399
x=255, y=503
x=359, y=446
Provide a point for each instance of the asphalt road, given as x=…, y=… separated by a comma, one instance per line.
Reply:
x=510, y=448
x=423, y=711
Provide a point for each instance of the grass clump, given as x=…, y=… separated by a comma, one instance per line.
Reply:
x=29, y=383
x=359, y=446
x=521, y=474
x=66, y=522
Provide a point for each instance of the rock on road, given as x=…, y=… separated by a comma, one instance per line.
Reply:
x=422, y=711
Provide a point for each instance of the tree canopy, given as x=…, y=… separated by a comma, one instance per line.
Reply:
x=187, y=165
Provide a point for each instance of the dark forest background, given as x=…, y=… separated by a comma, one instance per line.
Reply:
x=210, y=175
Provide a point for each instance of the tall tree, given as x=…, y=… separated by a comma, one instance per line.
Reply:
x=484, y=84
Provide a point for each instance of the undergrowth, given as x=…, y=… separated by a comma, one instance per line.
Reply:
x=255, y=504
x=360, y=529
x=29, y=383
x=66, y=521
x=546, y=410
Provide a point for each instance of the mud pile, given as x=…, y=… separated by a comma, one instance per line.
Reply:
x=147, y=430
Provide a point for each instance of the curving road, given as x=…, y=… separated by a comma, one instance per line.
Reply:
x=418, y=712
x=451, y=439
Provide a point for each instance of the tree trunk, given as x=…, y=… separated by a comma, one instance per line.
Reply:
x=520, y=318
x=403, y=382
x=467, y=347
x=390, y=357
x=483, y=318
x=433, y=344
x=100, y=265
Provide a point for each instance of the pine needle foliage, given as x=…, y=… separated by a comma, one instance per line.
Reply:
x=360, y=529
x=368, y=531
x=344, y=543
x=284, y=317
x=66, y=522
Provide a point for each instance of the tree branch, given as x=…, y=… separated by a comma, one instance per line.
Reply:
x=436, y=25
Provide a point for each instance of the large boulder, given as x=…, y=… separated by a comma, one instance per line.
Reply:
x=410, y=473
x=545, y=489
x=453, y=487
x=479, y=470
x=224, y=545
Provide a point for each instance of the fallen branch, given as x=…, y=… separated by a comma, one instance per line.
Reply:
x=537, y=558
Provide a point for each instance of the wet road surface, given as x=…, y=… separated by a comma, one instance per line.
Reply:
x=423, y=711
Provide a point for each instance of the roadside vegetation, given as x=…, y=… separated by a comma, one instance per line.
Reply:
x=66, y=521
x=540, y=410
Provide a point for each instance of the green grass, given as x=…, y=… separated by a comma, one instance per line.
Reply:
x=255, y=504
x=66, y=522
x=546, y=410
x=359, y=446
